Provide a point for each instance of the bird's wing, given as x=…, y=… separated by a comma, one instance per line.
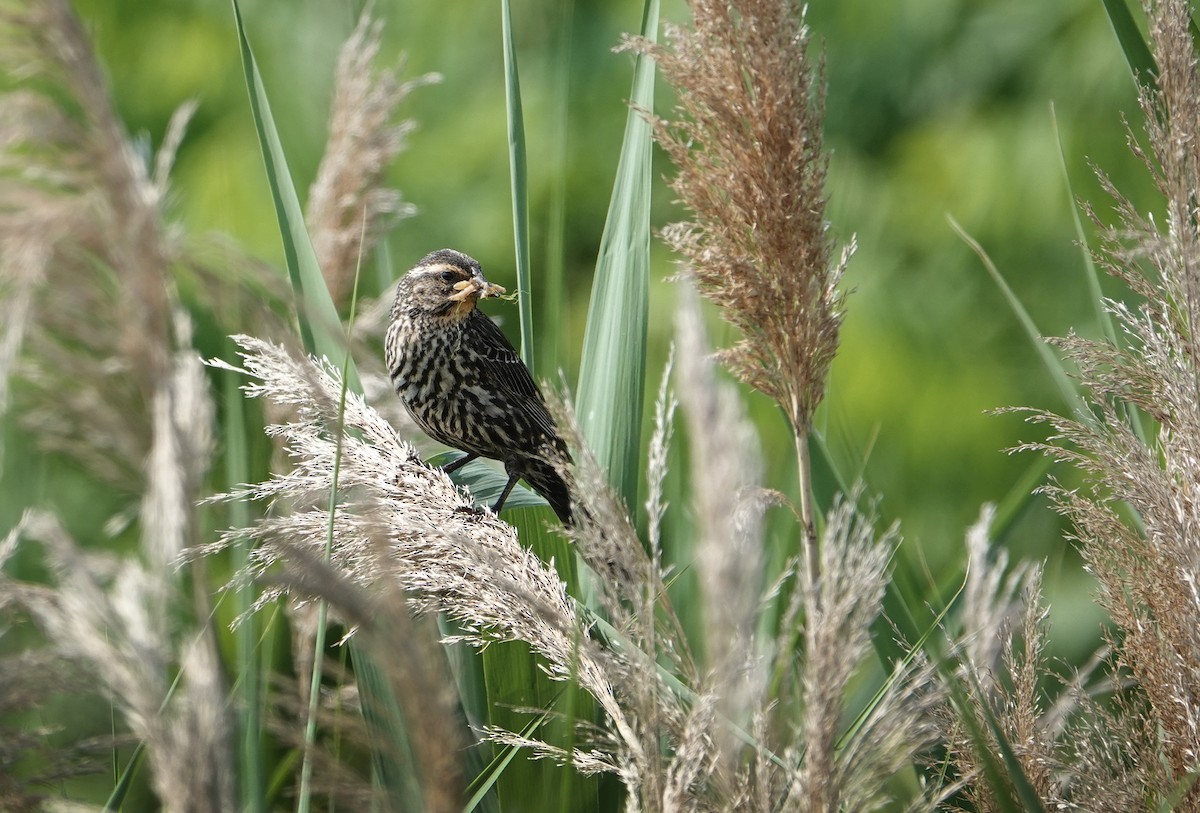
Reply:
x=490, y=342
x=511, y=373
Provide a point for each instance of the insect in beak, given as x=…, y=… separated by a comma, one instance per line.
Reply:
x=474, y=287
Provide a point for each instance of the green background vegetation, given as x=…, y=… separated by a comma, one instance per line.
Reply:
x=934, y=109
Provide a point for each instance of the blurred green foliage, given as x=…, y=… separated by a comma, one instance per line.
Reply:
x=934, y=108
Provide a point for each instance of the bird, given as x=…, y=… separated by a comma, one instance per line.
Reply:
x=463, y=383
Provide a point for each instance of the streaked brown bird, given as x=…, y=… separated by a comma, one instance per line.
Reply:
x=464, y=384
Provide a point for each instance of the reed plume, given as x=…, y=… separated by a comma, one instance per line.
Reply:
x=349, y=207
x=746, y=143
x=1079, y=741
x=401, y=524
x=94, y=329
x=112, y=617
x=78, y=198
x=447, y=555
x=1136, y=518
x=745, y=139
x=36, y=755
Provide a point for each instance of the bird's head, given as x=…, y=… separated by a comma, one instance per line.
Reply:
x=444, y=284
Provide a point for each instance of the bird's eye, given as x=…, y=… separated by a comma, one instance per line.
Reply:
x=448, y=276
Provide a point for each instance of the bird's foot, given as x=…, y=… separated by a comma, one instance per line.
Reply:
x=472, y=509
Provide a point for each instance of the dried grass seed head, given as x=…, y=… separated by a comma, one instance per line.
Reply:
x=1146, y=569
x=349, y=205
x=746, y=143
x=86, y=262
x=446, y=554
x=112, y=617
x=729, y=553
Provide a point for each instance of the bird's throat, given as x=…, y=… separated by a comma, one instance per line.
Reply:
x=454, y=312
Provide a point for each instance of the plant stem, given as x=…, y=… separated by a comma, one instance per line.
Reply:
x=812, y=551
x=314, y=688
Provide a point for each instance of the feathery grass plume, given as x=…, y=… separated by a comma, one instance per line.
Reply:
x=605, y=537
x=849, y=769
x=656, y=459
x=729, y=546
x=181, y=431
x=114, y=617
x=76, y=146
x=713, y=763
x=85, y=261
x=406, y=651
x=349, y=208
x=16, y=300
x=747, y=146
x=652, y=658
x=993, y=597
x=1082, y=749
x=834, y=770
x=1147, y=564
x=448, y=555
x=33, y=759
x=1000, y=645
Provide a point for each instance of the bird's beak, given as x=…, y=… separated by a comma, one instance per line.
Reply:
x=474, y=288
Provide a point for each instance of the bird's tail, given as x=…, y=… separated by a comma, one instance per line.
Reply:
x=545, y=480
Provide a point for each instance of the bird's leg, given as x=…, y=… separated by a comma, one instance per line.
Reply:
x=454, y=466
x=508, y=487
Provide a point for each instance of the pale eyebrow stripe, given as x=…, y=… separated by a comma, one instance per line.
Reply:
x=425, y=270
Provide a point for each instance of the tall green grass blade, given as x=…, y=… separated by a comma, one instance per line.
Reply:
x=321, y=331
x=466, y=667
x=515, y=682
x=1133, y=44
x=916, y=648
x=323, y=608
x=1020, y=496
x=519, y=177
x=613, y=369
x=573, y=705
x=1104, y=319
x=1053, y=364
x=993, y=770
x=237, y=470
x=125, y=781
x=1091, y=276
x=1179, y=791
x=1027, y=796
x=320, y=327
x=392, y=760
x=486, y=779
x=368, y=679
x=283, y=778
x=511, y=672
x=551, y=329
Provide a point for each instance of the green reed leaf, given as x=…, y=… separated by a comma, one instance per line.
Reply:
x=613, y=369
x=1133, y=44
x=1052, y=363
x=316, y=314
x=520, y=180
x=321, y=332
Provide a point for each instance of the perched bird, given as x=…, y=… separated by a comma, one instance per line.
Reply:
x=464, y=384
